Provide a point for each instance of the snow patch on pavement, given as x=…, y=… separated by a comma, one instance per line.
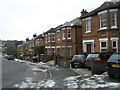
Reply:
x=18, y=60
x=47, y=84
x=97, y=81
x=30, y=84
x=71, y=82
x=39, y=70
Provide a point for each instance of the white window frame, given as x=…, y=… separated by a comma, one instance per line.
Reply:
x=46, y=38
x=68, y=33
x=49, y=37
x=100, y=13
x=53, y=37
x=63, y=34
x=114, y=10
x=116, y=40
x=41, y=42
x=88, y=25
x=53, y=49
x=58, y=36
x=103, y=40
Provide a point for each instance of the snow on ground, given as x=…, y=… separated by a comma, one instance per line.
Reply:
x=18, y=60
x=71, y=82
x=28, y=83
x=35, y=69
x=97, y=81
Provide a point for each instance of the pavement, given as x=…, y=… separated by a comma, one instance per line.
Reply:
x=50, y=62
x=81, y=71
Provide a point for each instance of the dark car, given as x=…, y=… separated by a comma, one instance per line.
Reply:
x=113, y=65
x=97, y=61
x=78, y=60
x=35, y=58
x=9, y=57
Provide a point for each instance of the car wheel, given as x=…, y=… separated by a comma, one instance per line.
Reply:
x=111, y=75
x=72, y=65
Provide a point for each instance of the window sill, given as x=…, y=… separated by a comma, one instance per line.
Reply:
x=103, y=28
x=69, y=38
x=88, y=32
x=114, y=27
x=58, y=39
x=103, y=47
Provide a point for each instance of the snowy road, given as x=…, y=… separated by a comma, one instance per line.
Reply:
x=15, y=72
x=61, y=78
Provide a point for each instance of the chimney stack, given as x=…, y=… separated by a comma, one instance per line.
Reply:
x=83, y=12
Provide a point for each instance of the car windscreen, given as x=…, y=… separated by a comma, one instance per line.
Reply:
x=79, y=57
x=114, y=57
x=92, y=56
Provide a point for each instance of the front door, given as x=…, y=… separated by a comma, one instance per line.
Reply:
x=89, y=48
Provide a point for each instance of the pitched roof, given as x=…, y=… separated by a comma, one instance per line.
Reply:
x=104, y=6
x=74, y=22
x=39, y=36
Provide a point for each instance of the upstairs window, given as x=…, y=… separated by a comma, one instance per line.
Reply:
x=103, y=19
x=46, y=38
x=113, y=18
x=58, y=35
x=63, y=34
x=41, y=42
x=69, y=33
x=88, y=25
x=49, y=37
x=53, y=37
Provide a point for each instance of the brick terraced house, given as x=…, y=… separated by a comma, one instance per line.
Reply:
x=49, y=41
x=68, y=38
x=64, y=39
x=39, y=40
x=101, y=28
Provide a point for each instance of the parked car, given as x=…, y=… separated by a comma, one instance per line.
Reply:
x=9, y=57
x=113, y=65
x=97, y=61
x=78, y=60
x=35, y=58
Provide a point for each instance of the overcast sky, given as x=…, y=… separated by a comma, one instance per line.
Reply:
x=20, y=19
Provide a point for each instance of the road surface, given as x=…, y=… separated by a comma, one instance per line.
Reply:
x=14, y=72
x=41, y=75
